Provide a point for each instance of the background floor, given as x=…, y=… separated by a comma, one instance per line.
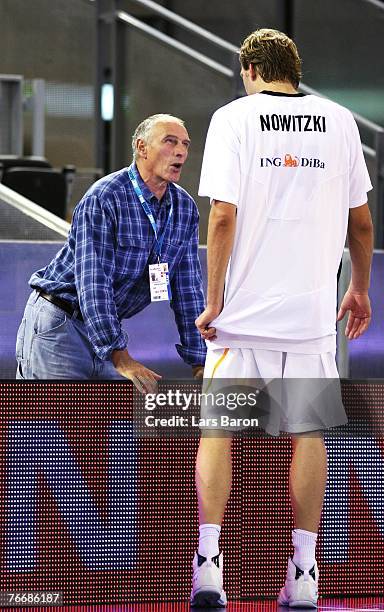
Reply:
x=326, y=605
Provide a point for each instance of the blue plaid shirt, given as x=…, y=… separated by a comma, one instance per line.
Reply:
x=103, y=266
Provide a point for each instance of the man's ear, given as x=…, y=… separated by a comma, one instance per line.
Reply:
x=141, y=148
x=253, y=72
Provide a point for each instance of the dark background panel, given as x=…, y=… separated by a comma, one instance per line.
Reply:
x=53, y=40
x=56, y=41
x=342, y=45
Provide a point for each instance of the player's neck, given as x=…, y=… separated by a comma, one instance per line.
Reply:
x=276, y=86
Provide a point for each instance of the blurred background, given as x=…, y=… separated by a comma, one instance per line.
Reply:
x=79, y=47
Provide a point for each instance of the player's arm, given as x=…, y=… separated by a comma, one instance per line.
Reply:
x=356, y=299
x=360, y=241
x=221, y=232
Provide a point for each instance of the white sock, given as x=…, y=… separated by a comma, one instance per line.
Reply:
x=304, y=543
x=209, y=540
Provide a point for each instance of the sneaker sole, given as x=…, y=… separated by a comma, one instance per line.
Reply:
x=208, y=599
x=302, y=604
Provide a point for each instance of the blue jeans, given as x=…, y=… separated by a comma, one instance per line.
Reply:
x=52, y=344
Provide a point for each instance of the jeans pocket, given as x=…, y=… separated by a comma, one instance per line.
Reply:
x=20, y=340
x=20, y=370
x=49, y=318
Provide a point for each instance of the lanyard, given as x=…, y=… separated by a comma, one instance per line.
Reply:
x=148, y=211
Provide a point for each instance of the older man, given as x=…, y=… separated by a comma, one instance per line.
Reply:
x=133, y=239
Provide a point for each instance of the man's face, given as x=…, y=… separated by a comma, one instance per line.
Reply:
x=166, y=150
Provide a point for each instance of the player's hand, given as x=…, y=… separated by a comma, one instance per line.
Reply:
x=144, y=379
x=202, y=323
x=359, y=307
x=198, y=372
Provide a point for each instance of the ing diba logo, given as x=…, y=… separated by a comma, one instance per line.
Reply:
x=291, y=161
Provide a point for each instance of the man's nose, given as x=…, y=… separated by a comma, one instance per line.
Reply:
x=181, y=151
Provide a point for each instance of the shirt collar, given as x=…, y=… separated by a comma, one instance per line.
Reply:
x=298, y=94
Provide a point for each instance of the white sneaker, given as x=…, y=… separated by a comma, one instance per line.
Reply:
x=301, y=587
x=207, y=582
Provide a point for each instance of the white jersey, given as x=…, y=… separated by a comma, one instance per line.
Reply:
x=293, y=165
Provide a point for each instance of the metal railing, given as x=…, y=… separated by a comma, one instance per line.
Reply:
x=171, y=42
x=377, y=3
x=36, y=212
x=172, y=17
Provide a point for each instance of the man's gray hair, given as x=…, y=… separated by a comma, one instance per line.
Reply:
x=143, y=130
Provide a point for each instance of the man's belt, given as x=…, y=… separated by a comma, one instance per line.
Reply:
x=63, y=304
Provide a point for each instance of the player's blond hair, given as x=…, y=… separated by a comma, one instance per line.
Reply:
x=144, y=129
x=273, y=54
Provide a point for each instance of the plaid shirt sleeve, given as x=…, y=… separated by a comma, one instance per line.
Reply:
x=188, y=302
x=94, y=268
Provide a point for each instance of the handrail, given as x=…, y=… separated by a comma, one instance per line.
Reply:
x=376, y=3
x=368, y=150
x=203, y=59
x=31, y=209
x=370, y=125
x=187, y=25
x=216, y=40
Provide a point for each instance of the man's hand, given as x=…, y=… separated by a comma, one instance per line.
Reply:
x=360, y=313
x=144, y=379
x=356, y=300
x=203, y=321
x=198, y=372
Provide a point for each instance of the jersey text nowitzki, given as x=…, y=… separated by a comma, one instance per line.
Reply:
x=293, y=123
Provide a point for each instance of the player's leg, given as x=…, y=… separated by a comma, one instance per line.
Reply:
x=213, y=478
x=312, y=402
x=213, y=475
x=307, y=479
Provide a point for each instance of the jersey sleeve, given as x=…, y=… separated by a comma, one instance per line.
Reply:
x=359, y=181
x=220, y=172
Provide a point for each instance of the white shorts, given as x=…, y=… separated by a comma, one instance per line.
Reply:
x=297, y=392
